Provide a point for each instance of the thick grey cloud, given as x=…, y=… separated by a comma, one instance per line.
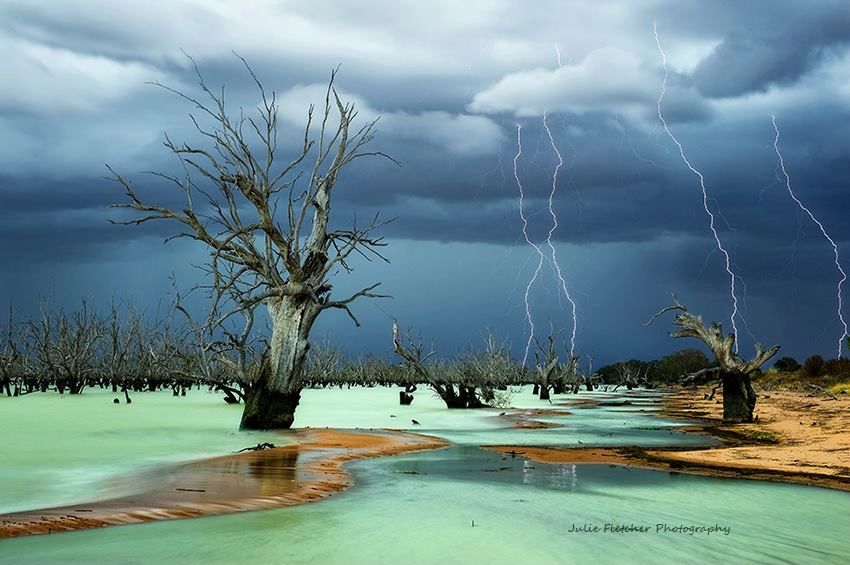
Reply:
x=775, y=51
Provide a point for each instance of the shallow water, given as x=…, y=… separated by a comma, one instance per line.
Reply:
x=608, y=425
x=420, y=508
x=62, y=449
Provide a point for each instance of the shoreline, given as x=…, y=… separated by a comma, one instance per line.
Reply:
x=309, y=469
x=798, y=439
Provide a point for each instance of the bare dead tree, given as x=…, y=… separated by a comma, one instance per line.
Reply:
x=266, y=223
x=548, y=365
x=739, y=398
x=323, y=363
x=41, y=360
x=370, y=370
x=10, y=356
x=116, y=366
x=77, y=339
x=157, y=353
x=66, y=347
x=630, y=375
x=459, y=394
x=493, y=364
x=216, y=355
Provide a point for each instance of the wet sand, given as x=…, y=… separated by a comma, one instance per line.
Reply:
x=309, y=469
x=565, y=455
x=798, y=438
x=526, y=419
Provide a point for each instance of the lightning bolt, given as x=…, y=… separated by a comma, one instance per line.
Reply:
x=698, y=174
x=558, y=56
x=527, y=240
x=819, y=225
x=552, y=230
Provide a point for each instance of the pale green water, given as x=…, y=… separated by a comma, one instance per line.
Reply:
x=378, y=408
x=62, y=449
x=419, y=508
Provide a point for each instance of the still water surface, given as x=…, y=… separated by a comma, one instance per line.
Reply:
x=418, y=508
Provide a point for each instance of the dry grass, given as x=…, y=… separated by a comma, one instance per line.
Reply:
x=799, y=381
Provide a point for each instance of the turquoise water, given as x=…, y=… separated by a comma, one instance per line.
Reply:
x=420, y=508
x=378, y=408
x=62, y=449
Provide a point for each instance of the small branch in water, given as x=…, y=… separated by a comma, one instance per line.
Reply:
x=258, y=447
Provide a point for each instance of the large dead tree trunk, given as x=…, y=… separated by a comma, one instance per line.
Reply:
x=547, y=372
x=733, y=371
x=548, y=365
x=271, y=402
x=739, y=398
x=258, y=258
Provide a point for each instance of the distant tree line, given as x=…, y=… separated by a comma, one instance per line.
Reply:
x=669, y=370
x=127, y=351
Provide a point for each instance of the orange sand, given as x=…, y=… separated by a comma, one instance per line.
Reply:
x=563, y=455
x=307, y=470
x=812, y=435
x=526, y=419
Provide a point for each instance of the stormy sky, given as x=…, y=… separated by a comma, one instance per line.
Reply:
x=451, y=81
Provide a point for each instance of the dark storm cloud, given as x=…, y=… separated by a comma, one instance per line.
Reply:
x=774, y=52
x=451, y=81
x=46, y=220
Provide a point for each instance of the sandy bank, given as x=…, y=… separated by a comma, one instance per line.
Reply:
x=798, y=438
x=564, y=455
x=308, y=469
x=526, y=419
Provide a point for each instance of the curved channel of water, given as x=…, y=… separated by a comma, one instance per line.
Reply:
x=420, y=508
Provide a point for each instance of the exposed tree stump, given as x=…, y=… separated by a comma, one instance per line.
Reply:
x=739, y=398
x=269, y=409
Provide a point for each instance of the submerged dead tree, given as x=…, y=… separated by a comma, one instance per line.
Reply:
x=548, y=367
x=266, y=222
x=733, y=371
x=416, y=360
x=469, y=383
x=10, y=358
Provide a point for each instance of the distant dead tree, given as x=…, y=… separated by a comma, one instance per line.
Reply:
x=733, y=371
x=66, y=347
x=492, y=370
x=117, y=366
x=370, y=370
x=548, y=366
x=630, y=375
x=323, y=364
x=266, y=223
x=468, y=383
x=219, y=355
x=10, y=357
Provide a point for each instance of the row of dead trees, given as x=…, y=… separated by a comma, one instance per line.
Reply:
x=474, y=381
x=123, y=350
x=126, y=351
